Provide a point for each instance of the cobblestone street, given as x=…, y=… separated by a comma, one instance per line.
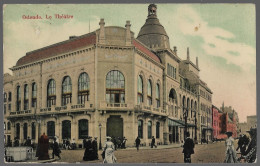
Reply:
x=211, y=153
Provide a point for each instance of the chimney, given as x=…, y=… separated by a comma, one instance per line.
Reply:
x=128, y=33
x=197, y=62
x=175, y=50
x=102, y=38
x=188, y=54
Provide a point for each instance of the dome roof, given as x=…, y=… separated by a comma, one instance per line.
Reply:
x=152, y=33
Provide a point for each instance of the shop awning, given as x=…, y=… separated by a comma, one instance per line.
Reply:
x=174, y=122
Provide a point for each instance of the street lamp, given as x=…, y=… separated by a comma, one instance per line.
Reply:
x=207, y=125
x=195, y=116
x=100, y=146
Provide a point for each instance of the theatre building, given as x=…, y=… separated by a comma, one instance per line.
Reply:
x=107, y=83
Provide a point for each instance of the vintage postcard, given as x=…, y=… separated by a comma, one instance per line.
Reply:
x=129, y=83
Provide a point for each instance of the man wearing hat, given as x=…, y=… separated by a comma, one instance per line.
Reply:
x=250, y=154
x=231, y=156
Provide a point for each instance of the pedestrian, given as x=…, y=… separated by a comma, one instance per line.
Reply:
x=188, y=148
x=250, y=153
x=68, y=147
x=109, y=149
x=87, y=153
x=114, y=142
x=95, y=149
x=123, y=143
x=153, y=142
x=73, y=144
x=56, y=150
x=84, y=143
x=43, y=147
x=28, y=142
x=242, y=143
x=16, y=142
x=119, y=142
x=137, y=143
x=231, y=156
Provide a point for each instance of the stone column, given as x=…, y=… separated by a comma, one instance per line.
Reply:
x=58, y=91
x=166, y=132
x=22, y=97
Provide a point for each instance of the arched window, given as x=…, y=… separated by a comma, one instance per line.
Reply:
x=140, y=90
x=66, y=91
x=10, y=96
x=51, y=93
x=51, y=129
x=140, y=128
x=18, y=99
x=17, y=127
x=33, y=130
x=149, y=92
x=5, y=97
x=25, y=131
x=115, y=87
x=149, y=129
x=83, y=88
x=26, y=97
x=66, y=129
x=83, y=128
x=8, y=126
x=157, y=129
x=34, y=95
x=157, y=95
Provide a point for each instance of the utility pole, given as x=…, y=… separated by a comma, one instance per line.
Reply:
x=207, y=125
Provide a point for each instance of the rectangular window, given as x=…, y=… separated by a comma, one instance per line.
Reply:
x=9, y=107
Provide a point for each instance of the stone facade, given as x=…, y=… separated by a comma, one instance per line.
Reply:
x=250, y=123
x=108, y=83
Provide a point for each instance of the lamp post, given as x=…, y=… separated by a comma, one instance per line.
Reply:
x=195, y=116
x=207, y=125
x=100, y=146
x=185, y=117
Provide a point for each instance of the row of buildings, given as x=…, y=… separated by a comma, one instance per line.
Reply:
x=223, y=120
x=109, y=83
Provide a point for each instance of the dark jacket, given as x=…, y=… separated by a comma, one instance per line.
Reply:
x=56, y=149
x=188, y=147
x=137, y=141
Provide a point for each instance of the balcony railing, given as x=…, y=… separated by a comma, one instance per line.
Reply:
x=21, y=112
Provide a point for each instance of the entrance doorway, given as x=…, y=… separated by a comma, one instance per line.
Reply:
x=115, y=126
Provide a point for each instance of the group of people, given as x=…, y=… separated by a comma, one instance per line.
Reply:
x=118, y=142
x=91, y=149
x=66, y=144
x=247, y=149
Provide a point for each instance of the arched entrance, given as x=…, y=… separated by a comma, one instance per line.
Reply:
x=115, y=126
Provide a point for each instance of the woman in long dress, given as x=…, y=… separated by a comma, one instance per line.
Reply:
x=231, y=156
x=109, y=149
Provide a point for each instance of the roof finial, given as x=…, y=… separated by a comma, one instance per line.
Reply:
x=188, y=54
x=152, y=9
x=197, y=62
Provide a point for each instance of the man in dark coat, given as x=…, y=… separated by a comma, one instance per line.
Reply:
x=250, y=153
x=123, y=143
x=242, y=143
x=137, y=143
x=153, y=142
x=56, y=150
x=114, y=141
x=188, y=148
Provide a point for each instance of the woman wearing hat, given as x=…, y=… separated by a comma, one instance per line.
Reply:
x=231, y=156
x=109, y=149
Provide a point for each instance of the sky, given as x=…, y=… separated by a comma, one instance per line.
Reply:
x=222, y=36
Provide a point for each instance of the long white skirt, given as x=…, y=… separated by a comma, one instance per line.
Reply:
x=109, y=156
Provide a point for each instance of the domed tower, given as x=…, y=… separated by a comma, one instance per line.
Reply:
x=152, y=33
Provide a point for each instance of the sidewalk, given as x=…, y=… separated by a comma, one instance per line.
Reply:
x=34, y=160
